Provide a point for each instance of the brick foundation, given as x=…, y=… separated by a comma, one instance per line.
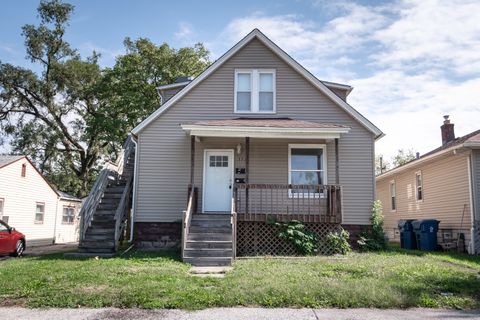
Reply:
x=157, y=235
x=355, y=230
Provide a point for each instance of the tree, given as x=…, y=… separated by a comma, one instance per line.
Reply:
x=72, y=115
x=381, y=164
x=403, y=157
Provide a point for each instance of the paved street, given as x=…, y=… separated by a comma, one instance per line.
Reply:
x=41, y=250
x=237, y=314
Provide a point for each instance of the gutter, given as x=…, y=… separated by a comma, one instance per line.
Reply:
x=472, y=205
x=134, y=193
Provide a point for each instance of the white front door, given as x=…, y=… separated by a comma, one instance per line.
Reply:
x=218, y=181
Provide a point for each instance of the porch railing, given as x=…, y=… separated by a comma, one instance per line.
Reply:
x=285, y=202
x=187, y=217
x=233, y=221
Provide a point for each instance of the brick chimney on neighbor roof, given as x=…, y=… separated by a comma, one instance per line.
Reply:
x=448, y=132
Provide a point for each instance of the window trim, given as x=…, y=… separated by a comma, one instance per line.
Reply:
x=255, y=90
x=2, y=206
x=394, y=183
x=43, y=216
x=325, y=166
x=74, y=214
x=419, y=173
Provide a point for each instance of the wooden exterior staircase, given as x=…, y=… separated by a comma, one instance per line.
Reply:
x=105, y=213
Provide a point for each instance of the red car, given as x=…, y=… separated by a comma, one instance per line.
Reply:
x=11, y=241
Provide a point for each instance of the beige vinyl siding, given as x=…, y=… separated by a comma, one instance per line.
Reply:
x=21, y=195
x=164, y=149
x=476, y=182
x=445, y=192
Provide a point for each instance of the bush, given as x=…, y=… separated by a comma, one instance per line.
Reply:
x=304, y=241
x=337, y=242
x=375, y=239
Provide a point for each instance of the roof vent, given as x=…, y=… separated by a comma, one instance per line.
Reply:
x=183, y=79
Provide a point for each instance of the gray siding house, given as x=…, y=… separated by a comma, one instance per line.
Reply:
x=254, y=136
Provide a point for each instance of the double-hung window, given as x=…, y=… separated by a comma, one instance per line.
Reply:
x=255, y=91
x=419, y=186
x=39, y=212
x=393, y=195
x=68, y=215
x=307, y=169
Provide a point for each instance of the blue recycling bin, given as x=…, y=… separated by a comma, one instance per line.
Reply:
x=407, y=235
x=426, y=234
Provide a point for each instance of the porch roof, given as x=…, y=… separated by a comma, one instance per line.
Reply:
x=265, y=128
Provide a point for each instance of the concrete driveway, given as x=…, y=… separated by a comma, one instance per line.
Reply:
x=237, y=314
x=42, y=250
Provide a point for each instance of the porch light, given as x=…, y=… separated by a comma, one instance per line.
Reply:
x=239, y=148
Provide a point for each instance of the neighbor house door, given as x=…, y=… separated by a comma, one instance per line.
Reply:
x=218, y=181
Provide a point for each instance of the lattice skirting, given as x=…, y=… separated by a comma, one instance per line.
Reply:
x=260, y=238
x=476, y=237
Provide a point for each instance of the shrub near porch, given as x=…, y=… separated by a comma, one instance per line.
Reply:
x=158, y=280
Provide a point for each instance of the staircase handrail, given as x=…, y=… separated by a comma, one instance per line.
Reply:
x=110, y=171
x=187, y=219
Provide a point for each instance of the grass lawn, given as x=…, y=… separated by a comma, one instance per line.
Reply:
x=395, y=278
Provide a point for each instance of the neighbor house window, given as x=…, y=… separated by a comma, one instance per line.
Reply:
x=307, y=168
x=24, y=170
x=255, y=91
x=419, y=185
x=39, y=212
x=393, y=195
x=68, y=215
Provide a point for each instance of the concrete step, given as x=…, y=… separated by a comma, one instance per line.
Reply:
x=210, y=229
x=99, y=237
x=225, y=253
x=100, y=231
x=208, y=261
x=212, y=244
x=210, y=223
x=95, y=250
x=210, y=236
x=92, y=243
x=88, y=255
x=211, y=216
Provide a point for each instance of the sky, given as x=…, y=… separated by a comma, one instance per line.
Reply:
x=410, y=62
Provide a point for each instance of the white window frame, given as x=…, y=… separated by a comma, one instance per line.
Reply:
x=43, y=215
x=2, y=208
x=63, y=215
x=394, y=184
x=419, y=173
x=255, y=90
x=324, y=161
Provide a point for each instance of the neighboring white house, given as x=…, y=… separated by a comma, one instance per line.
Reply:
x=33, y=206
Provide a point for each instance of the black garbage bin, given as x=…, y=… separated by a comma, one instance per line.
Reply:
x=426, y=234
x=407, y=236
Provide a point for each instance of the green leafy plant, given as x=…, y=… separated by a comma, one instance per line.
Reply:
x=337, y=242
x=304, y=241
x=374, y=239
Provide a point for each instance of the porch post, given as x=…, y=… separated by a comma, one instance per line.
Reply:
x=192, y=161
x=337, y=174
x=247, y=171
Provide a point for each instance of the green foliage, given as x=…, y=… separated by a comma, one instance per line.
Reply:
x=374, y=239
x=71, y=115
x=304, y=241
x=403, y=157
x=337, y=242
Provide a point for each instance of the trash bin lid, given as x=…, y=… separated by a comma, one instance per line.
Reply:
x=406, y=224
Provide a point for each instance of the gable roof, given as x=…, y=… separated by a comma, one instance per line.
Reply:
x=471, y=140
x=256, y=34
x=5, y=160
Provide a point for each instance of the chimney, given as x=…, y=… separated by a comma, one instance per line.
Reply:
x=448, y=133
x=183, y=79
x=417, y=155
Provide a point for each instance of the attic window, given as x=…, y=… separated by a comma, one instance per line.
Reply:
x=24, y=170
x=254, y=91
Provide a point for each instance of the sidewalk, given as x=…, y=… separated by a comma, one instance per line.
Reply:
x=237, y=314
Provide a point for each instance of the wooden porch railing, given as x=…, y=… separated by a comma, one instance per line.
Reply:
x=187, y=216
x=111, y=172
x=307, y=203
x=233, y=221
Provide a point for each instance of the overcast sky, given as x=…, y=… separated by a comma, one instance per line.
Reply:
x=410, y=62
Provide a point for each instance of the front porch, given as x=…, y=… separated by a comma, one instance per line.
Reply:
x=255, y=174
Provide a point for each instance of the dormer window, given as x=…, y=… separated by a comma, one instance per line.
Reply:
x=255, y=91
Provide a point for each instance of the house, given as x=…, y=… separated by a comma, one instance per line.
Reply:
x=254, y=137
x=31, y=204
x=443, y=184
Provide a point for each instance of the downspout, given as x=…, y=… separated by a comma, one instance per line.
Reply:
x=55, y=225
x=472, y=205
x=134, y=194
